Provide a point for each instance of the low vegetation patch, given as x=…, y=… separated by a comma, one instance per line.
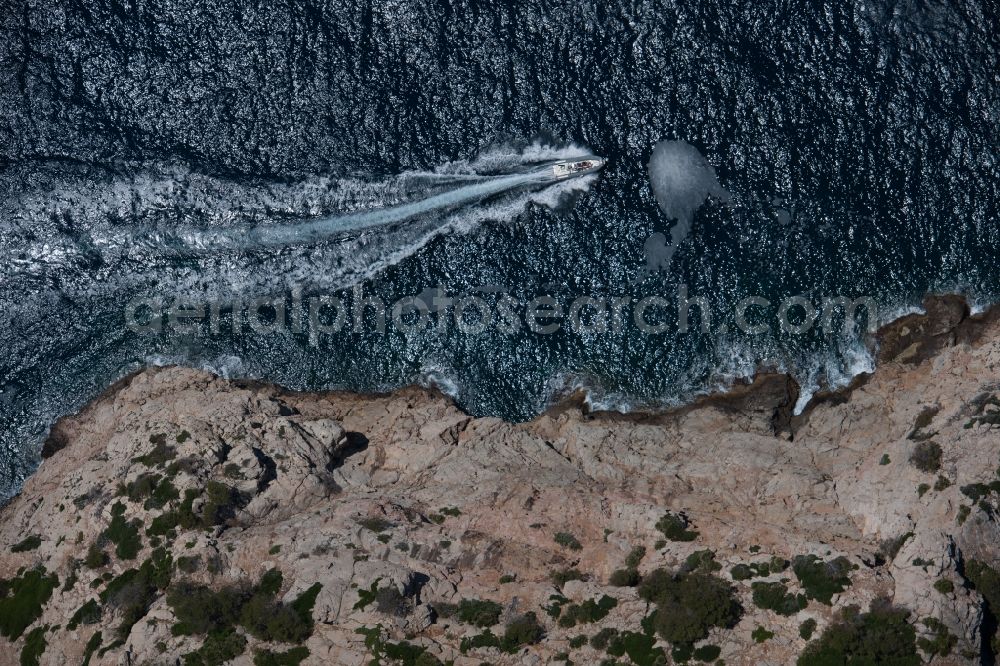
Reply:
x=689, y=604
x=889, y=548
x=161, y=453
x=124, y=534
x=563, y=576
x=880, y=636
x=640, y=648
x=567, y=540
x=396, y=653
x=940, y=640
x=88, y=613
x=587, y=612
x=201, y=610
x=30, y=542
x=22, y=599
x=777, y=598
x=674, y=527
x=821, y=580
x=292, y=657
x=217, y=649
x=34, y=646
x=375, y=524
x=926, y=456
x=478, y=612
x=944, y=586
x=154, y=490
x=624, y=578
x=523, y=630
x=134, y=591
x=92, y=646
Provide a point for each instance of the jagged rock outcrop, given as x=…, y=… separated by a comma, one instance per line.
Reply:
x=400, y=506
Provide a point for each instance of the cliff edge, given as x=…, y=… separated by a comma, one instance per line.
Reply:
x=183, y=518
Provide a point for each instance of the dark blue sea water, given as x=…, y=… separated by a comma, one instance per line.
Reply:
x=857, y=143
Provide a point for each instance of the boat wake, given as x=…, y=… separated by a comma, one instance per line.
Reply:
x=79, y=243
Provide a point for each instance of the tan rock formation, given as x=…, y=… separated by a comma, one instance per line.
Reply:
x=404, y=491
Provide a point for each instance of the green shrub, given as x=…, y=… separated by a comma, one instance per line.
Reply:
x=563, y=576
x=188, y=564
x=640, y=648
x=389, y=601
x=821, y=580
x=270, y=620
x=292, y=657
x=484, y=640
x=479, y=613
x=220, y=505
x=375, y=524
x=160, y=454
x=674, y=527
x=986, y=581
x=944, y=586
x=124, y=534
x=521, y=631
x=567, y=540
x=96, y=558
x=926, y=456
x=778, y=564
x=89, y=613
x=34, y=646
x=506, y=579
x=942, y=483
x=807, y=628
x=217, y=649
x=164, y=492
x=701, y=560
x=92, y=646
x=741, y=572
x=880, y=636
x=941, y=642
x=924, y=419
x=135, y=590
x=707, y=653
x=884, y=460
x=200, y=610
x=689, y=604
x=760, y=634
x=977, y=491
x=554, y=609
x=963, y=514
x=600, y=640
x=578, y=641
x=588, y=612
x=22, y=599
x=624, y=578
x=889, y=548
x=922, y=489
x=141, y=488
x=30, y=542
x=634, y=558
x=775, y=597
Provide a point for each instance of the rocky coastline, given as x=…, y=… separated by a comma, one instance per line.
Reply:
x=184, y=518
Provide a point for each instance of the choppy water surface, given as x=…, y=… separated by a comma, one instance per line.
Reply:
x=217, y=153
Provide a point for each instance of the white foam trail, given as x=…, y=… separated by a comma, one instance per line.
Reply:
x=317, y=230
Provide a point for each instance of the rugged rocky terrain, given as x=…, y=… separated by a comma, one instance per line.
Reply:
x=406, y=531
